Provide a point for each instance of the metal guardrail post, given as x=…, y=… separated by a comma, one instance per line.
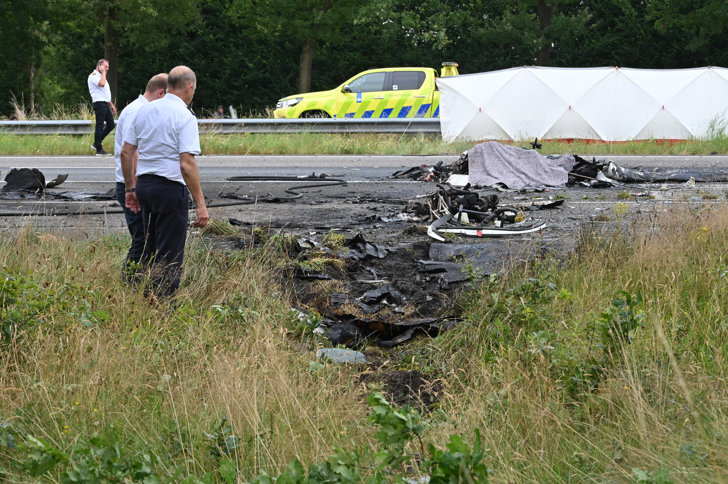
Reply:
x=241, y=126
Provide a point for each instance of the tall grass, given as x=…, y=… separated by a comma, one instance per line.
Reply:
x=316, y=143
x=607, y=367
x=56, y=111
x=713, y=145
x=359, y=144
x=101, y=359
x=560, y=401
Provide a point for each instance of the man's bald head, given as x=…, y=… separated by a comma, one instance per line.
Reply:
x=156, y=87
x=182, y=82
x=180, y=77
x=157, y=82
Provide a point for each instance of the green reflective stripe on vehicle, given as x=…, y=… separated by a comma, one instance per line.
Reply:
x=417, y=103
x=330, y=106
x=345, y=107
x=398, y=107
x=435, y=106
x=378, y=106
x=416, y=106
x=359, y=108
x=375, y=105
x=365, y=106
x=303, y=107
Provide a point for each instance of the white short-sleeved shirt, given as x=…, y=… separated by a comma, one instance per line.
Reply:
x=125, y=119
x=161, y=131
x=97, y=92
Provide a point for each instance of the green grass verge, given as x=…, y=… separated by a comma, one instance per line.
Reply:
x=355, y=144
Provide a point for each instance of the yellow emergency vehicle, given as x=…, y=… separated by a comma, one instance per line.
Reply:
x=393, y=92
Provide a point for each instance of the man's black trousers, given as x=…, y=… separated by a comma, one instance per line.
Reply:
x=135, y=224
x=104, y=122
x=165, y=205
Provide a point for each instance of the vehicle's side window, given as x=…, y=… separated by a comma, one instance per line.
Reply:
x=402, y=80
x=368, y=82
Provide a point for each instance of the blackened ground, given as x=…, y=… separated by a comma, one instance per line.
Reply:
x=405, y=387
x=416, y=300
x=376, y=211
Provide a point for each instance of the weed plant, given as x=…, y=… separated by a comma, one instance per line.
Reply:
x=606, y=367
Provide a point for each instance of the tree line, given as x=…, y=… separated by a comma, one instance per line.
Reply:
x=250, y=53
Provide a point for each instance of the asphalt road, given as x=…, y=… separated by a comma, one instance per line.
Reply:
x=90, y=171
x=373, y=205
x=369, y=193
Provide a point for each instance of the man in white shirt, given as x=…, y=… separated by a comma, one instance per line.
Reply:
x=105, y=110
x=156, y=88
x=166, y=137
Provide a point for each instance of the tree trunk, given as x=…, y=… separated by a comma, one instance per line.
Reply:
x=308, y=49
x=111, y=47
x=304, y=68
x=32, y=78
x=545, y=12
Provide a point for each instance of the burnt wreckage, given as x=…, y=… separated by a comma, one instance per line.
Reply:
x=453, y=209
x=386, y=295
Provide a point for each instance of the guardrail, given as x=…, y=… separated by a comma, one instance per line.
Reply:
x=240, y=126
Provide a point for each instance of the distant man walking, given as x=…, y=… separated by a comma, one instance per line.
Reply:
x=156, y=88
x=166, y=137
x=104, y=109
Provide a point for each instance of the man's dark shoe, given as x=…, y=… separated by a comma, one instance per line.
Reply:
x=102, y=152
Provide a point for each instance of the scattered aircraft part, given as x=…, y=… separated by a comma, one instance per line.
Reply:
x=435, y=229
x=542, y=204
x=57, y=180
x=339, y=355
x=447, y=272
x=24, y=180
x=360, y=248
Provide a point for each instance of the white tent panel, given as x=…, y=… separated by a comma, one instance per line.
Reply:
x=720, y=71
x=478, y=123
x=662, y=85
x=466, y=99
x=479, y=89
x=570, y=83
x=595, y=103
x=571, y=125
x=702, y=102
x=664, y=126
x=525, y=106
x=616, y=107
x=454, y=119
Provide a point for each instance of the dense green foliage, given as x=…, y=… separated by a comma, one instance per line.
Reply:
x=250, y=53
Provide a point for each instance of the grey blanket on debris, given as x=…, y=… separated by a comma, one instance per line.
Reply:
x=491, y=163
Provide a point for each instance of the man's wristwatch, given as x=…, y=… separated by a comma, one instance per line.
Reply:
x=130, y=190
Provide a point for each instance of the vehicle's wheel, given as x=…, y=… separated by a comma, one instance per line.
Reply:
x=315, y=114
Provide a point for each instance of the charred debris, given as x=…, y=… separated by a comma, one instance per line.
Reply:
x=366, y=292
x=386, y=296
